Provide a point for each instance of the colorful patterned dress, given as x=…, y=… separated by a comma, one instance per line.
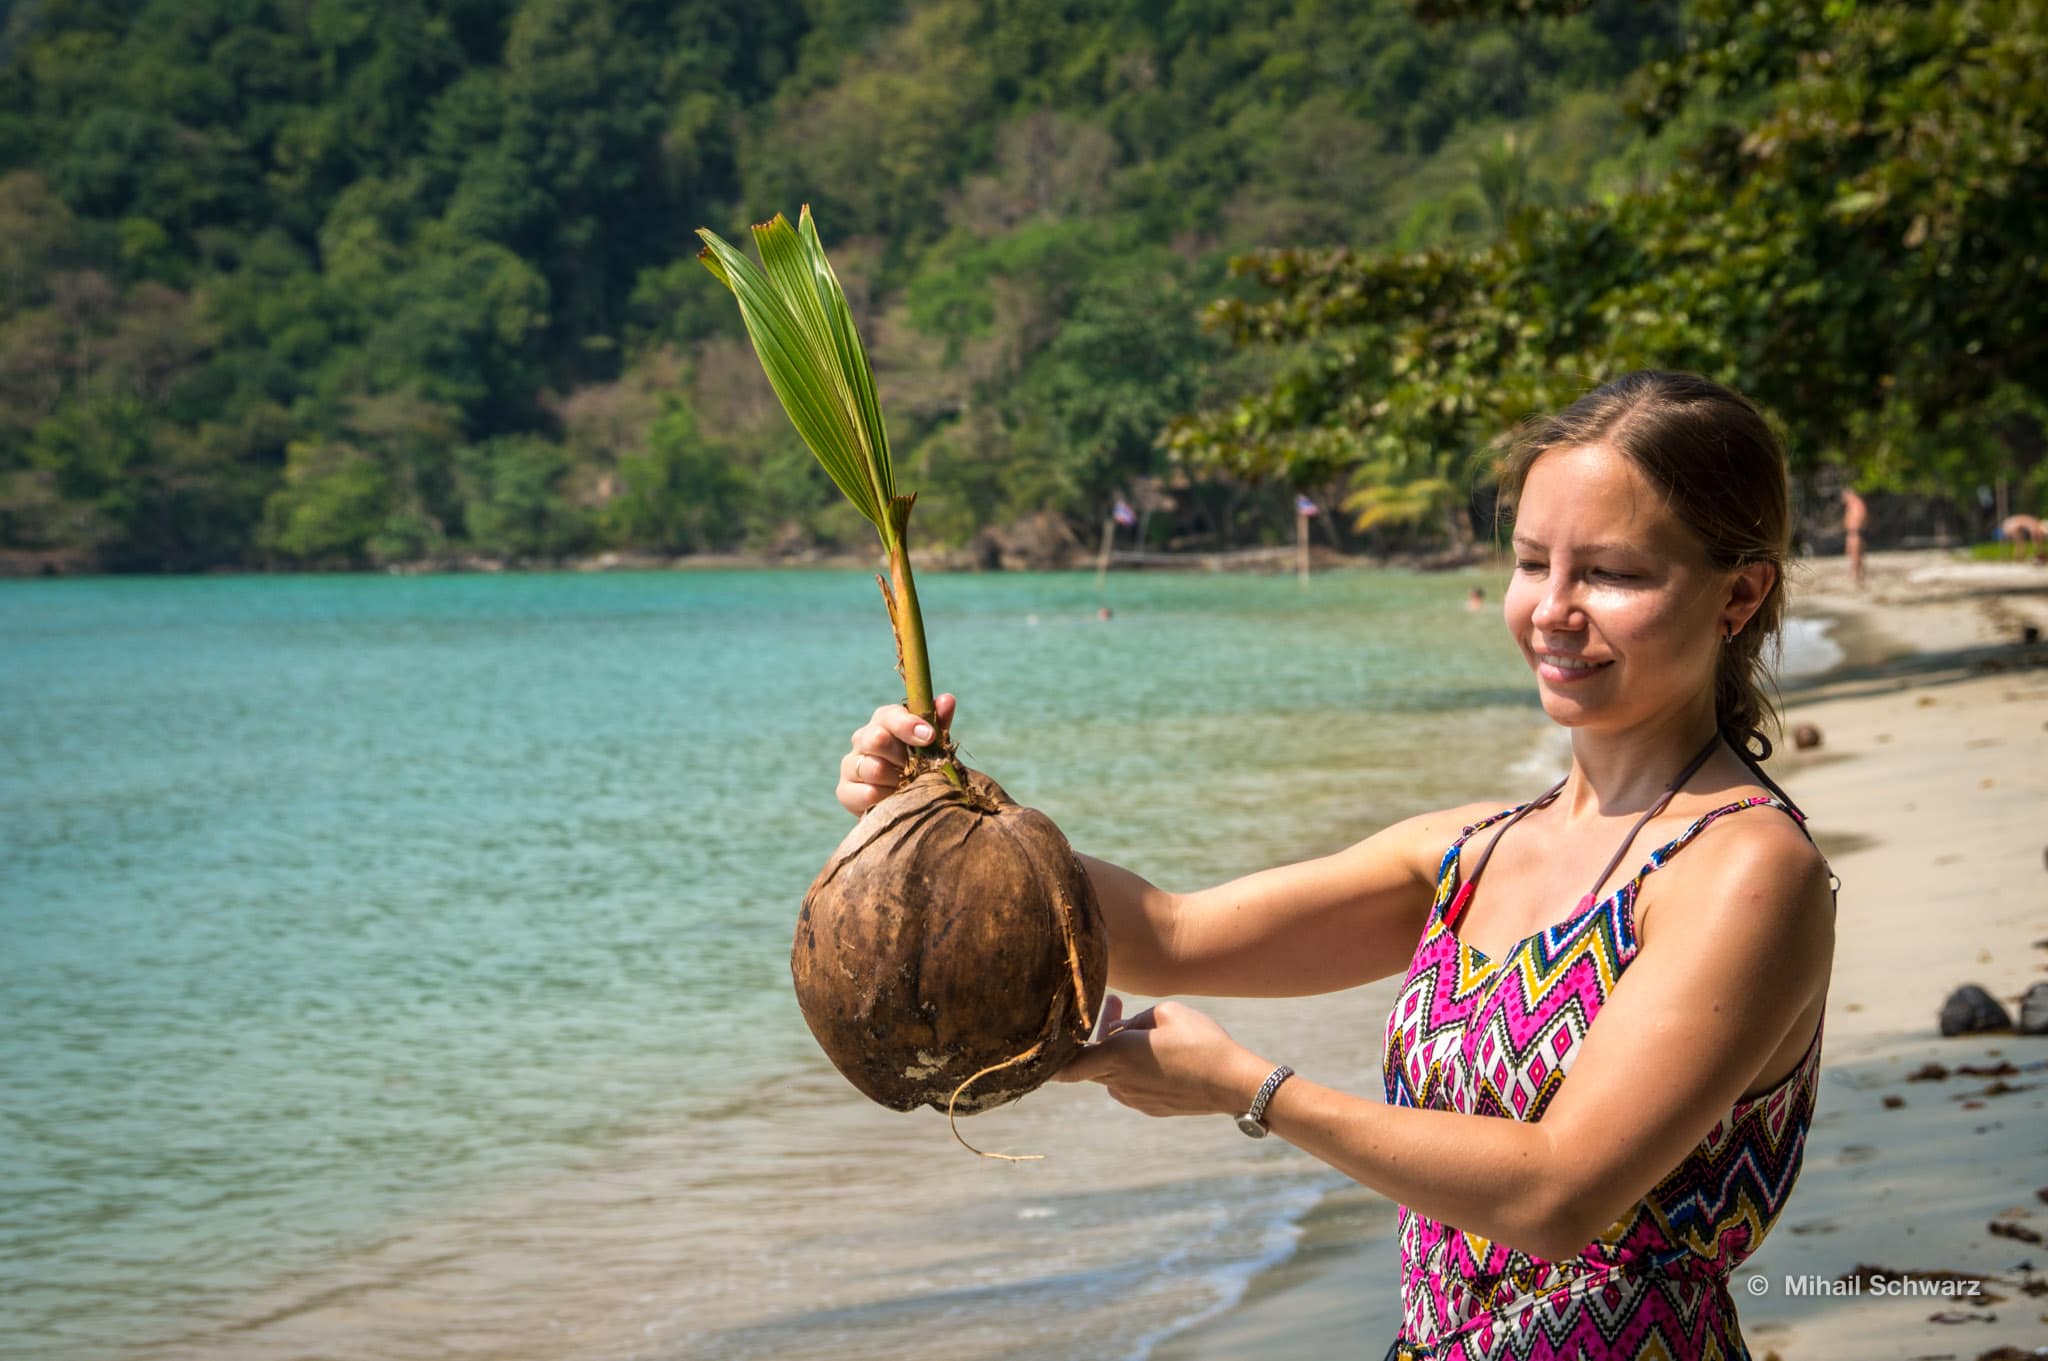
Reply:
x=1496, y=1037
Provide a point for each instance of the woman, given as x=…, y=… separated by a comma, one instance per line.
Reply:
x=1598, y=1217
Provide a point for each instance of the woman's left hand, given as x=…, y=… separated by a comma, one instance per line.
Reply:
x=1169, y=1059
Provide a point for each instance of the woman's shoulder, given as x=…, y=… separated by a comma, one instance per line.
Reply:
x=1749, y=826
x=1430, y=835
x=1746, y=853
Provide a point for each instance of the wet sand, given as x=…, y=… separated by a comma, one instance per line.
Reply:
x=1928, y=793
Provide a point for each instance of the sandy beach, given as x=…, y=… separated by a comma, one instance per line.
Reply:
x=1928, y=793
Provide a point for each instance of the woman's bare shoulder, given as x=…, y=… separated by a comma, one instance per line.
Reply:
x=1429, y=835
x=1758, y=865
x=1756, y=830
x=1462, y=816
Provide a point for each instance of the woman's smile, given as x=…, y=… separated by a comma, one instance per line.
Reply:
x=1563, y=668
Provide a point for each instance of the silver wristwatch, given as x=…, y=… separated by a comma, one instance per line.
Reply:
x=1253, y=1121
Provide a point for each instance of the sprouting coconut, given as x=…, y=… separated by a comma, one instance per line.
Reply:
x=951, y=934
x=951, y=952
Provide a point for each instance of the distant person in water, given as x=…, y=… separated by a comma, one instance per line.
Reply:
x=2024, y=530
x=1475, y=600
x=1103, y=614
x=1855, y=515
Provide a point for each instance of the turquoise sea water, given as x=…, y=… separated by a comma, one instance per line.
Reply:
x=332, y=908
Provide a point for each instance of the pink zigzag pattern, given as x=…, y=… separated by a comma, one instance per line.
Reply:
x=1496, y=1037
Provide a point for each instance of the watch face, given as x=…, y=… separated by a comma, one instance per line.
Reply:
x=1251, y=1127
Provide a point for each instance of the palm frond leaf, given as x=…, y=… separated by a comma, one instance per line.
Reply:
x=796, y=315
x=853, y=356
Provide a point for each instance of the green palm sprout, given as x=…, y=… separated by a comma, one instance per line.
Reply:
x=796, y=314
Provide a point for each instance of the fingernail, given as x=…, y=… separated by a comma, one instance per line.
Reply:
x=922, y=732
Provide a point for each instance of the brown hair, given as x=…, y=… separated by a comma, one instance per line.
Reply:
x=1723, y=471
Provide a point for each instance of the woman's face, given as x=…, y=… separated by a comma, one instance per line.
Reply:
x=1613, y=601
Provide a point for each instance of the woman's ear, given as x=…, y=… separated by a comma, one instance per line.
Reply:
x=1746, y=593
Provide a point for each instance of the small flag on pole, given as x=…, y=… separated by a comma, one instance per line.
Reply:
x=1123, y=514
x=1304, y=506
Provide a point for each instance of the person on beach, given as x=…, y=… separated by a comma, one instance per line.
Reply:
x=1855, y=515
x=1598, y=1217
x=2027, y=530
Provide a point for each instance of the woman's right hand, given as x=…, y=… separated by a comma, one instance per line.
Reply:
x=870, y=770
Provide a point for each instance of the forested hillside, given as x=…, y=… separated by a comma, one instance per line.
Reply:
x=352, y=282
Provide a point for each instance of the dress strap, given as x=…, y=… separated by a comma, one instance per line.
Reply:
x=1513, y=818
x=1756, y=768
x=1663, y=802
x=1465, y=890
x=1797, y=813
x=1660, y=856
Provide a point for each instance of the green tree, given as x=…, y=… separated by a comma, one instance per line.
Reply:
x=334, y=499
x=511, y=499
x=681, y=494
x=1858, y=253
x=1127, y=359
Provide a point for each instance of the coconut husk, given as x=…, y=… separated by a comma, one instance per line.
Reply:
x=951, y=952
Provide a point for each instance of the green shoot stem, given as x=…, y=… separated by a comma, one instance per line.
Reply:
x=908, y=621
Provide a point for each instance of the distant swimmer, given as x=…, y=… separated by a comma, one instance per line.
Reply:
x=1475, y=599
x=1103, y=614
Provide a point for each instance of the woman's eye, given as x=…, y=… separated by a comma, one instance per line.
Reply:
x=1525, y=565
x=1609, y=575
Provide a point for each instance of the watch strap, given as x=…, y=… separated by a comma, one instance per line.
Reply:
x=1257, y=1113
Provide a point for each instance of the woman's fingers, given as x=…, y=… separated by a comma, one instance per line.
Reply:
x=865, y=779
x=894, y=730
x=1089, y=1064
x=1112, y=1016
x=1148, y=1019
x=1090, y=1061
x=1095, y=1061
x=1168, y=1059
x=873, y=766
x=896, y=723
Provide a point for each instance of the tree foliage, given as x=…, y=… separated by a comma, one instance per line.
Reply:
x=335, y=282
x=1852, y=237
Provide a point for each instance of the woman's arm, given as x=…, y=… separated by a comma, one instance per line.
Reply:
x=1712, y=993
x=1317, y=926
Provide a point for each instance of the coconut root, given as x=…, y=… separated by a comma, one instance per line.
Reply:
x=1065, y=914
x=953, y=1124
x=1073, y=944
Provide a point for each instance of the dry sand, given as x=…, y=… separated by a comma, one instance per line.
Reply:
x=1930, y=795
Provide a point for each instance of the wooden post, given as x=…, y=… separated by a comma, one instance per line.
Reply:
x=1102, y=559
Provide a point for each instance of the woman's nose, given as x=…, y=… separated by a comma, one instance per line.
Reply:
x=1557, y=611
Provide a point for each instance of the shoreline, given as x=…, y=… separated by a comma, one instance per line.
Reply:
x=1927, y=785
x=17, y=566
